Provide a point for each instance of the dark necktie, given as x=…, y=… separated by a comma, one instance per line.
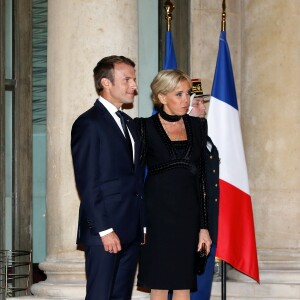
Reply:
x=121, y=115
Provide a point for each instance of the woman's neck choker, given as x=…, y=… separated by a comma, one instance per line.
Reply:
x=169, y=118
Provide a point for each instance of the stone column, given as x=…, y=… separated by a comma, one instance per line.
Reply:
x=80, y=33
x=270, y=118
x=270, y=109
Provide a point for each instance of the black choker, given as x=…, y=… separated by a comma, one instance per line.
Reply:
x=169, y=118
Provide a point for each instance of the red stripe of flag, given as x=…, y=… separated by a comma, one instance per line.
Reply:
x=236, y=240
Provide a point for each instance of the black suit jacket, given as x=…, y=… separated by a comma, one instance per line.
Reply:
x=212, y=169
x=109, y=184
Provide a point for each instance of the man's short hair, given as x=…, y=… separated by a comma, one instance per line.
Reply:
x=105, y=69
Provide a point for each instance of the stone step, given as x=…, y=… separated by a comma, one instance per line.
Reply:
x=248, y=291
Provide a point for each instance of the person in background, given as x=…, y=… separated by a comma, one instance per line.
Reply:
x=198, y=109
x=174, y=146
x=109, y=179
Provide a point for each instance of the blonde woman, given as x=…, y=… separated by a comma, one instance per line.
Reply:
x=175, y=189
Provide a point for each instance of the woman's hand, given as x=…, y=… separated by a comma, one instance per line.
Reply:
x=204, y=238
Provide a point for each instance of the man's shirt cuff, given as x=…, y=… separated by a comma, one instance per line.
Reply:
x=105, y=232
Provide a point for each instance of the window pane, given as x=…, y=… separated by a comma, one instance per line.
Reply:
x=8, y=169
x=8, y=40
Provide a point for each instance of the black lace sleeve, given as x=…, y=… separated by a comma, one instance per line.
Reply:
x=203, y=175
x=141, y=129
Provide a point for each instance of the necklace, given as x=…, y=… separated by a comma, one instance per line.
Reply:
x=175, y=130
x=169, y=118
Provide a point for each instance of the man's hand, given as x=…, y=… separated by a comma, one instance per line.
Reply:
x=111, y=242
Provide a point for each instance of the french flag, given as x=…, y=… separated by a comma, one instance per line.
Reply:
x=170, y=57
x=236, y=237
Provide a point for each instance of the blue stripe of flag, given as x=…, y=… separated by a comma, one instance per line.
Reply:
x=223, y=84
x=170, y=58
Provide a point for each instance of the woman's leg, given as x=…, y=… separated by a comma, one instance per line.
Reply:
x=181, y=295
x=159, y=295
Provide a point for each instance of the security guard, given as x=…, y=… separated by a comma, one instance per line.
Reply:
x=198, y=109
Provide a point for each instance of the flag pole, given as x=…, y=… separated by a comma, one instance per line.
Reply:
x=223, y=263
x=236, y=243
x=169, y=7
x=223, y=274
x=223, y=25
x=170, y=57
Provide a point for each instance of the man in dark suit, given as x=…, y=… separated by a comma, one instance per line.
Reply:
x=109, y=179
x=198, y=109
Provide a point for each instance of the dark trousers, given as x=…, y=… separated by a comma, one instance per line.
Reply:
x=110, y=276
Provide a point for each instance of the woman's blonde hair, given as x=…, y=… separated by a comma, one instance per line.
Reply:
x=166, y=81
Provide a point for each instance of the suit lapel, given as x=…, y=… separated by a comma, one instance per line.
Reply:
x=110, y=120
x=130, y=124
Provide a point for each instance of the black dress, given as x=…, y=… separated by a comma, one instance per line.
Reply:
x=175, y=205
